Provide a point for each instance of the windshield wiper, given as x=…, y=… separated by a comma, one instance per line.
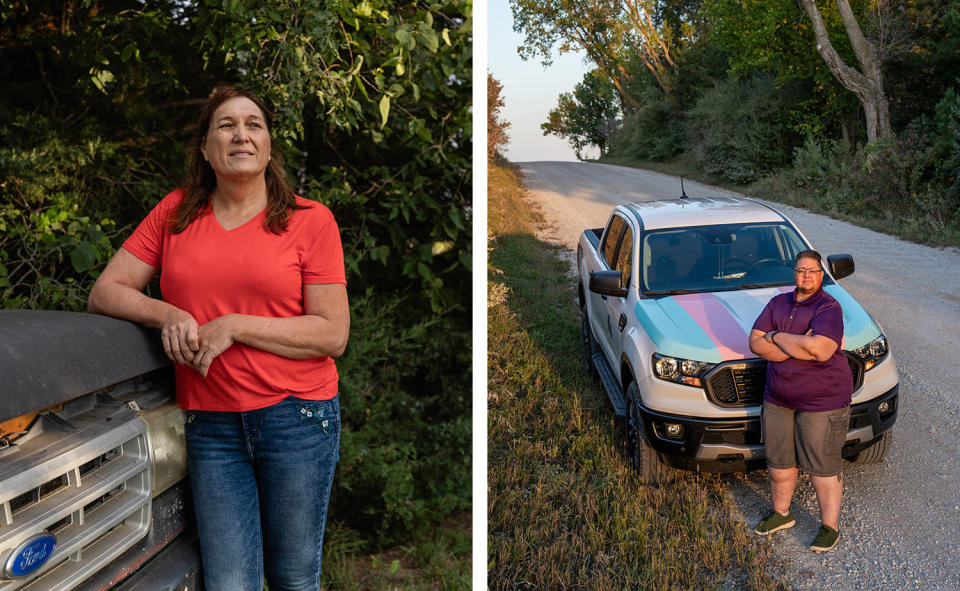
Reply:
x=670, y=292
x=759, y=285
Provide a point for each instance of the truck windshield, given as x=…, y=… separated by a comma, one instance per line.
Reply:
x=718, y=258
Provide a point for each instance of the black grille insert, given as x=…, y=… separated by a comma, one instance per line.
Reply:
x=737, y=384
x=856, y=368
x=741, y=383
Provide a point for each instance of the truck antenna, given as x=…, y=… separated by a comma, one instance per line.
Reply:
x=683, y=193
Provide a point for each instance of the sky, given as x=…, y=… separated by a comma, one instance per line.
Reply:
x=530, y=91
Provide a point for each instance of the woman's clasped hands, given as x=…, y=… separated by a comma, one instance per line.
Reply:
x=187, y=343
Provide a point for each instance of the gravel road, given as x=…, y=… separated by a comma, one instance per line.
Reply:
x=901, y=519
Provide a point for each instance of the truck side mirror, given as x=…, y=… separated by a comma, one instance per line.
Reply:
x=607, y=283
x=841, y=265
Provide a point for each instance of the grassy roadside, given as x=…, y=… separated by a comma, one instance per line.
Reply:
x=907, y=224
x=564, y=511
x=439, y=561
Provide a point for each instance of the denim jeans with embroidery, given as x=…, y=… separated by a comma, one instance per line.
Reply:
x=261, y=485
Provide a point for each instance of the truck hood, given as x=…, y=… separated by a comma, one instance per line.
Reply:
x=714, y=327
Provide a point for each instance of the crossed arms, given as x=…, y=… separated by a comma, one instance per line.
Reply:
x=780, y=346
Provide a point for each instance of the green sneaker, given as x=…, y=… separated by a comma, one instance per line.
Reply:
x=825, y=540
x=775, y=522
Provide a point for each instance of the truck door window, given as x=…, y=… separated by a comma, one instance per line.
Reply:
x=611, y=238
x=625, y=257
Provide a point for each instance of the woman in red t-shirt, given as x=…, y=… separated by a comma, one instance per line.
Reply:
x=254, y=309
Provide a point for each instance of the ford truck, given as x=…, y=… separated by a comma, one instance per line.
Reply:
x=93, y=488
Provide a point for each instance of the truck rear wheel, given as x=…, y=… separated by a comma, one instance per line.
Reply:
x=588, y=343
x=876, y=452
x=645, y=460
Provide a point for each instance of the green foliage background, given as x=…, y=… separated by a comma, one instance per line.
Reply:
x=372, y=101
x=750, y=102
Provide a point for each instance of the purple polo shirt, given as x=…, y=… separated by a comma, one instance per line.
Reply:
x=807, y=385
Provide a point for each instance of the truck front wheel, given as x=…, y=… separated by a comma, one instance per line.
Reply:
x=876, y=452
x=645, y=460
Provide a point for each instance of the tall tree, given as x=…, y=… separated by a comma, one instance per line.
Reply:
x=587, y=116
x=868, y=84
x=497, y=136
x=651, y=45
x=610, y=32
x=924, y=61
x=591, y=26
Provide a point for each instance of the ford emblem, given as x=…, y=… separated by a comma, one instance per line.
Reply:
x=30, y=555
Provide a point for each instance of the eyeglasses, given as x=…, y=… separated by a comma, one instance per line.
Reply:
x=807, y=271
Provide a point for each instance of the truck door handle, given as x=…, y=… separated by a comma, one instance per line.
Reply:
x=603, y=297
x=622, y=322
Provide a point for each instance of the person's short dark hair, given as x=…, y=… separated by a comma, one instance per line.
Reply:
x=809, y=254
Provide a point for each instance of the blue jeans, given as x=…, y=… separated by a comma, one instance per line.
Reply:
x=261, y=484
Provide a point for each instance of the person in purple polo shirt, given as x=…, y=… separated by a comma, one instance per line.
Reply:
x=806, y=403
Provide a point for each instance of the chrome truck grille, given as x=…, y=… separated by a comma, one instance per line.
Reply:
x=85, y=479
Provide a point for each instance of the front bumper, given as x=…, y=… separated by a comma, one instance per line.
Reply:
x=721, y=445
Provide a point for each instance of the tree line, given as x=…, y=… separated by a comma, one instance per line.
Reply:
x=822, y=96
x=372, y=103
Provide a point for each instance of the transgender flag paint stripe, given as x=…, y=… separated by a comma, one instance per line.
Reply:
x=728, y=320
x=709, y=327
x=720, y=325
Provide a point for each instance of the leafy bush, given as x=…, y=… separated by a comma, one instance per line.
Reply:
x=655, y=131
x=946, y=145
x=55, y=230
x=739, y=132
x=908, y=183
x=405, y=454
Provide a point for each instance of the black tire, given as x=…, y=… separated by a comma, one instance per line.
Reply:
x=645, y=460
x=877, y=452
x=587, y=343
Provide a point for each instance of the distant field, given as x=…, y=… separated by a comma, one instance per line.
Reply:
x=564, y=509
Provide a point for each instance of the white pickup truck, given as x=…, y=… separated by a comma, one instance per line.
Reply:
x=668, y=293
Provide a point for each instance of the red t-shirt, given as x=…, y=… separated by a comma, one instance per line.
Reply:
x=209, y=272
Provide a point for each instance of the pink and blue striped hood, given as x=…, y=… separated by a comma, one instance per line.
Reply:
x=714, y=327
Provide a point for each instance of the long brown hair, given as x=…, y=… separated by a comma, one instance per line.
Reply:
x=202, y=180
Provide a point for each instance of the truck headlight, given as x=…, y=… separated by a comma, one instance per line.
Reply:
x=873, y=352
x=680, y=371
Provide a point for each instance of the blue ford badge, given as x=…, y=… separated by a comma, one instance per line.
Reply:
x=30, y=555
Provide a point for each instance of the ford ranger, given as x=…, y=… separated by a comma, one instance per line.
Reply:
x=668, y=293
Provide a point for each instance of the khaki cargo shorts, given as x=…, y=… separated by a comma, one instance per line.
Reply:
x=812, y=440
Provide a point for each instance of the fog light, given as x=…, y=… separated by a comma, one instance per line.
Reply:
x=673, y=429
x=884, y=407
